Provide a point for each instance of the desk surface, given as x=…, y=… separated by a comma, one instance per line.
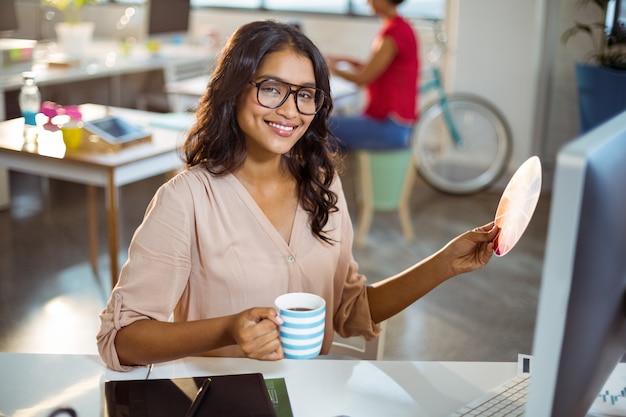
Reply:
x=37, y=383
x=50, y=145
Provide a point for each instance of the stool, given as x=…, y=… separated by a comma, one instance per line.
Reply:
x=384, y=180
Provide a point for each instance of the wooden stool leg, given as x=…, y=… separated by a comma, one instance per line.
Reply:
x=404, y=209
x=364, y=198
x=92, y=214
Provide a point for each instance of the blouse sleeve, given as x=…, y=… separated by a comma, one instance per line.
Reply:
x=157, y=270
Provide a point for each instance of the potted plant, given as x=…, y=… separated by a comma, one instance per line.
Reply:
x=73, y=34
x=602, y=79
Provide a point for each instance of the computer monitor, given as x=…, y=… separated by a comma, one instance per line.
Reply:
x=580, y=330
x=168, y=20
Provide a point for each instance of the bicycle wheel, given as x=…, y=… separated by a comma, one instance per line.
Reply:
x=470, y=164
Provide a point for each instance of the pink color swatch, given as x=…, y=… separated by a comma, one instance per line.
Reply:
x=517, y=205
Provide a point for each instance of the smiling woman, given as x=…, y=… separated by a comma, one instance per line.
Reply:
x=259, y=212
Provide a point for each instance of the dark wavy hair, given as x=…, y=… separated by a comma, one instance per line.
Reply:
x=217, y=143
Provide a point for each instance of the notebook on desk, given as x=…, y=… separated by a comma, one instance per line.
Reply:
x=228, y=396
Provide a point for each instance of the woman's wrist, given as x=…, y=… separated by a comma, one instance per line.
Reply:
x=442, y=264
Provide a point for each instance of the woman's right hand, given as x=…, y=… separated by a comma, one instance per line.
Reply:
x=337, y=64
x=256, y=332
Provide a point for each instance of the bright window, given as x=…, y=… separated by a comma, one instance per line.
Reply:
x=319, y=6
x=241, y=4
x=429, y=9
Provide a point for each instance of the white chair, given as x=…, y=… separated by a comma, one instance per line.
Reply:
x=359, y=348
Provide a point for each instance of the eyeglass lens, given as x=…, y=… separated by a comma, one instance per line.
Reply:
x=273, y=94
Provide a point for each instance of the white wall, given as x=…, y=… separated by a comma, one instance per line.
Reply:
x=495, y=53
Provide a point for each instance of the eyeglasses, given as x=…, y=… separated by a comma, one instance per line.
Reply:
x=273, y=94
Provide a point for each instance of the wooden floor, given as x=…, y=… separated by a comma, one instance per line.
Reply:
x=50, y=297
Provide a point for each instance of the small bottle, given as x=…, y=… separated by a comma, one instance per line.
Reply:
x=30, y=103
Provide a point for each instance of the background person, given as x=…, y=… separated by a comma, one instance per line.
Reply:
x=390, y=79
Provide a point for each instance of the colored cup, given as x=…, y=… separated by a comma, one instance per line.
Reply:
x=72, y=136
x=302, y=331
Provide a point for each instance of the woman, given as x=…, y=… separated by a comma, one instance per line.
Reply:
x=390, y=80
x=259, y=212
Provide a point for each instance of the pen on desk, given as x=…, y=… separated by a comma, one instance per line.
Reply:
x=149, y=370
x=199, y=397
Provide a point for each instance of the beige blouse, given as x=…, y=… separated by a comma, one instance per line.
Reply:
x=205, y=249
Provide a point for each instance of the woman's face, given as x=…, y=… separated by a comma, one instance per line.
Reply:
x=378, y=6
x=272, y=132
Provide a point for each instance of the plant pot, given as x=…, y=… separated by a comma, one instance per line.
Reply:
x=74, y=39
x=601, y=94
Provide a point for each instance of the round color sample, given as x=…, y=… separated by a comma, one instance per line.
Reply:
x=517, y=205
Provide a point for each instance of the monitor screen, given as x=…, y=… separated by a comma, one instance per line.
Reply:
x=168, y=18
x=8, y=17
x=580, y=330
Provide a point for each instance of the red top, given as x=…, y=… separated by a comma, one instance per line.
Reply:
x=394, y=92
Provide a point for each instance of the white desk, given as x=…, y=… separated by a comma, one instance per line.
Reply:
x=105, y=61
x=109, y=170
x=35, y=383
x=107, y=67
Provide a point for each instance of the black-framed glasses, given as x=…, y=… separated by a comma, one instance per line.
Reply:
x=273, y=94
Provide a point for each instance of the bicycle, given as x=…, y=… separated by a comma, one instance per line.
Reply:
x=462, y=143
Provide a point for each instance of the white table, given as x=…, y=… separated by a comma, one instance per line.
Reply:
x=106, y=62
x=105, y=67
x=38, y=383
x=110, y=170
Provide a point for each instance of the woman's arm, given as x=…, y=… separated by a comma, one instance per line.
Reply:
x=152, y=341
x=382, y=56
x=465, y=253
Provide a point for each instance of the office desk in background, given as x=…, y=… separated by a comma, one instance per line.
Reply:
x=38, y=383
x=106, y=76
x=110, y=170
x=105, y=67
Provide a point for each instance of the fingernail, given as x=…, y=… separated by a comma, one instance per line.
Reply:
x=279, y=319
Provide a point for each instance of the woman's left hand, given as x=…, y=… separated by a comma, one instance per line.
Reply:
x=471, y=250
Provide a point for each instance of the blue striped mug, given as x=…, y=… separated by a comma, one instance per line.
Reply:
x=302, y=331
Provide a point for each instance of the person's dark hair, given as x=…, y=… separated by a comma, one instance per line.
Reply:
x=217, y=142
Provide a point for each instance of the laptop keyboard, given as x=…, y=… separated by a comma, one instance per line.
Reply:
x=506, y=400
